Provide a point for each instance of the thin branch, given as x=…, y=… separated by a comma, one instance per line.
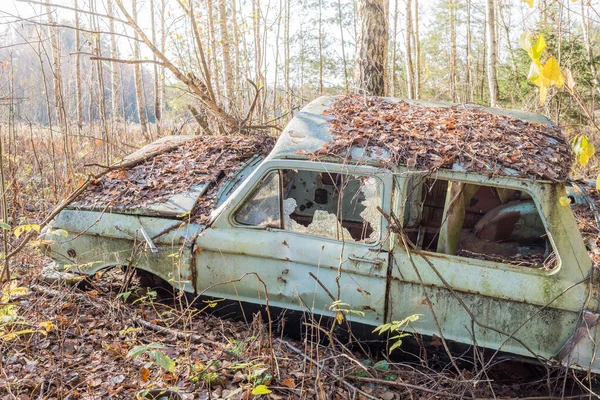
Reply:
x=96, y=58
x=73, y=9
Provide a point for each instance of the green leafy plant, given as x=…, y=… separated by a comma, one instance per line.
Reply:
x=397, y=328
x=209, y=373
x=158, y=357
x=342, y=309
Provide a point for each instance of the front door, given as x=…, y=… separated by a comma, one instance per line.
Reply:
x=309, y=236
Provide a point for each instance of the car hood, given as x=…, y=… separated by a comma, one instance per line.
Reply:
x=177, y=177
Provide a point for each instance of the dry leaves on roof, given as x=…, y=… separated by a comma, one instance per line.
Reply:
x=428, y=138
x=202, y=159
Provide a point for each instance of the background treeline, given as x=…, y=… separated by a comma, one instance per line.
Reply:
x=292, y=51
x=84, y=82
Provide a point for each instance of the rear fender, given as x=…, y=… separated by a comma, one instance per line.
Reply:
x=581, y=351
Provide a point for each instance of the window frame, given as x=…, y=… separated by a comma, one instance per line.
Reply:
x=509, y=183
x=257, y=187
x=383, y=175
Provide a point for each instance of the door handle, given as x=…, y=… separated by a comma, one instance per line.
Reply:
x=374, y=261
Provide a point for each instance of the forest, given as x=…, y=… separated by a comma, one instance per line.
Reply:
x=86, y=83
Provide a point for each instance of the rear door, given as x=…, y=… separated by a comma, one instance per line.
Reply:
x=498, y=253
x=309, y=233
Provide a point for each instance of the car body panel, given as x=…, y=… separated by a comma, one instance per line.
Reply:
x=285, y=260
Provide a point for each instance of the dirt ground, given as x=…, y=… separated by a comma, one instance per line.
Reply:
x=100, y=340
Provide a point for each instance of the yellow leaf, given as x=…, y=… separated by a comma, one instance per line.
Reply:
x=543, y=93
x=551, y=72
x=564, y=201
x=529, y=3
x=598, y=183
x=584, y=149
x=534, y=72
x=525, y=41
x=339, y=317
x=48, y=326
x=26, y=228
x=18, y=291
x=260, y=389
x=10, y=336
x=538, y=47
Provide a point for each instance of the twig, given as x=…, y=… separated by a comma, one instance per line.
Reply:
x=253, y=105
x=316, y=364
x=118, y=60
x=178, y=334
x=406, y=386
x=322, y=285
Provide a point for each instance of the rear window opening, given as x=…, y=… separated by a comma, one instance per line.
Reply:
x=477, y=221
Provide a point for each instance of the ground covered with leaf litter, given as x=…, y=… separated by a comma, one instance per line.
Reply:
x=175, y=170
x=98, y=342
x=428, y=138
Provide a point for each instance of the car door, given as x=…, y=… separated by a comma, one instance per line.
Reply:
x=307, y=235
x=510, y=277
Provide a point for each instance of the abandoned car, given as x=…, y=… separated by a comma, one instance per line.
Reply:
x=392, y=207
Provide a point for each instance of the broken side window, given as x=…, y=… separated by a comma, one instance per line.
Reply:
x=337, y=206
x=477, y=221
x=262, y=208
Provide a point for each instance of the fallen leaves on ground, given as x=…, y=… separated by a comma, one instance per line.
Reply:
x=88, y=355
x=428, y=138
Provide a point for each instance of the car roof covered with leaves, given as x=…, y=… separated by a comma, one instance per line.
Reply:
x=427, y=136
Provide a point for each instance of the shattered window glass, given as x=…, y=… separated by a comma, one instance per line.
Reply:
x=262, y=208
x=477, y=221
x=337, y=206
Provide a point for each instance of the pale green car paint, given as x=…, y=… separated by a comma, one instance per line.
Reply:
x=551, y=315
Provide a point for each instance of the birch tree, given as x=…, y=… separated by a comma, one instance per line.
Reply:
x=410, y=76
x=138, y=73
x=492, y=51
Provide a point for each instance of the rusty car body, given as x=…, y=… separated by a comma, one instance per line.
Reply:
x=517, y=278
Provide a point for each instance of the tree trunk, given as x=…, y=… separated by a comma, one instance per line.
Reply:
x=286, y=49
x=492, y=52
x=588, y=47
x=258, y=56
x=157, y=115
x=212, y=56
x=511, y=52
x=229, y=84
x=114, y=76
x=320, y=41
x=453, y=68
x=417, y=60
x=138, y=77
x=469, y=72
x=163, y=47
x=372, y=47
x=410, y=76
x=392, y=77
x=97, y=51
x=78, y=96
x=58, y=90
x=276, y=97
x=343, y=45
x=237, y=53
